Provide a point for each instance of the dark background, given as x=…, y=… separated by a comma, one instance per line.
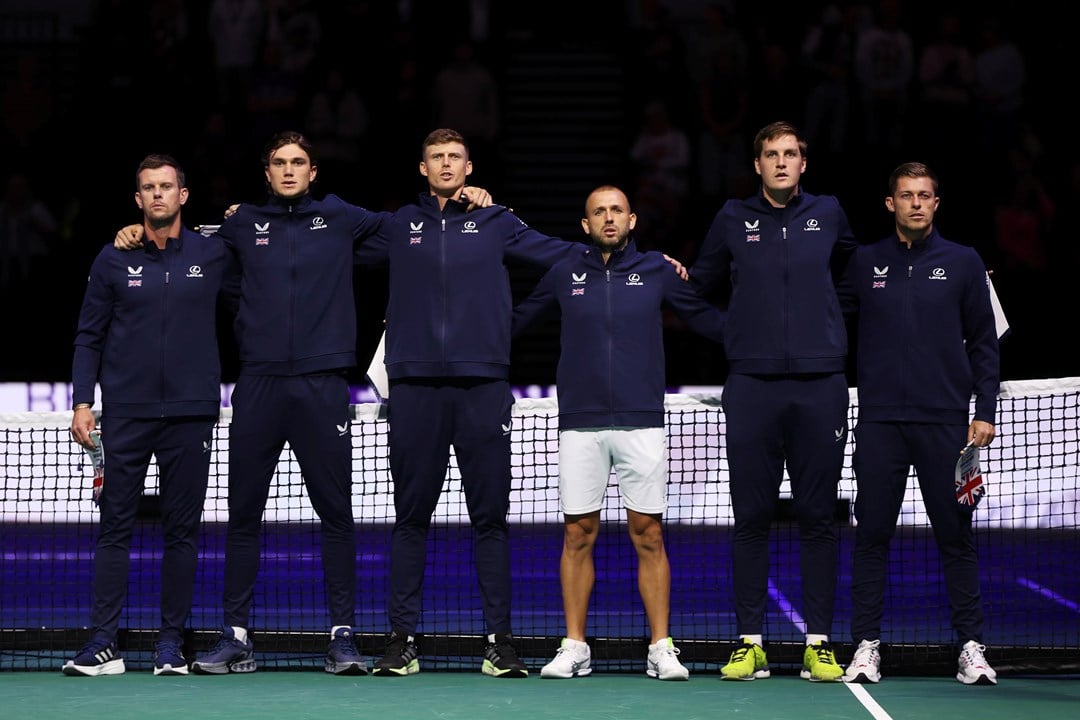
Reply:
x=92, y=87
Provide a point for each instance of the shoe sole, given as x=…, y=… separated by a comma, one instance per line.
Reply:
x=112, y=667
x=981, y=680
x=411, y=669
x=171, y=670
x=757, y=675
x=863, y=678
x=351, y=668
x=489, y=669
x=239, y=666
x=552, y=675
x=654, y=674
x=808, y=675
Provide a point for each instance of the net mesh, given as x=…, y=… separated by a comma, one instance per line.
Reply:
x=1026, y=533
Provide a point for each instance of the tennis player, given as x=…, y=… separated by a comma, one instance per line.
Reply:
x=781, y=254
x=611, y=386
x=448, y=360
x=927, y=344
x=147, y=333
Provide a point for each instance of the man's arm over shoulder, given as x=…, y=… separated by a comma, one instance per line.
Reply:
x=700, y=315
x=540, y=304
x=713, y=264
x=526, y=244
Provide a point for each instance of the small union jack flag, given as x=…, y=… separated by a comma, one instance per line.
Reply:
x=577, y=291
x=969, y=488
x=262, y=241
x=879, y=283
x=134, y=283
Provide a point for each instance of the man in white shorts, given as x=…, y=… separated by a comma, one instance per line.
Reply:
x=610, y=383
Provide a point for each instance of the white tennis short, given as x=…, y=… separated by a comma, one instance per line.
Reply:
x=637, y=455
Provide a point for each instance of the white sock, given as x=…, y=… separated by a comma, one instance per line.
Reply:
x=815, y=639
x=753, y=639
x=571, y=643
x=240, y=633
x=334, y=629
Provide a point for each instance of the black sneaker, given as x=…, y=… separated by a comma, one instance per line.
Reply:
x=500, y=658
x=399, y=658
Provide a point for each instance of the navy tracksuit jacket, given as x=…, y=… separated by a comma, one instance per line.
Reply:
x=927, y=345
x=611, y=367
x=448, y=360
x=786, y=396
x=147, y=333
x=296, y=333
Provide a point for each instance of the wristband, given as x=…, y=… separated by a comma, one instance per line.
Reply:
x=82, y=405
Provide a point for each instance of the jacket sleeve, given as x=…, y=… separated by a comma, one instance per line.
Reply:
x=94, y=319
x=699, y=315
x=981, y=340
x=371, y=233
x=527, y=245
x=540, y=304
x=712, y=269
x=841, y=263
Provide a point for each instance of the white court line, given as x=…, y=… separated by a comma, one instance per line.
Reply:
x=1048, y=593
x=868, y=702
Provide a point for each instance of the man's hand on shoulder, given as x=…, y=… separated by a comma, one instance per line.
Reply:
x=129, y=237
x=231, y=210
x=680, y=269
x=476, y=197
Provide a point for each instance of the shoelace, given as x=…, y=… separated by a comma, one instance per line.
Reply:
x=824, y=654
x=974, y=656
x=866, y=656
x=740, y=653
x=168, y=648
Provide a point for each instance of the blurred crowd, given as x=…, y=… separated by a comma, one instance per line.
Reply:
x=872, y=83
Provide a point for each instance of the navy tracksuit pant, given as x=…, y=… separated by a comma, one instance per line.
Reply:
x=311, y=413
x=801, y=420
x=182, y=446
x=426, y=417
x=885, y=452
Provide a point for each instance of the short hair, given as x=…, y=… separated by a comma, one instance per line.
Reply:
x=159, y=160
x=442, y=136
x=288, y=137
x=775, y=130
x=912, y=170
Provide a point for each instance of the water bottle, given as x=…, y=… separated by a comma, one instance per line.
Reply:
x=97, y=459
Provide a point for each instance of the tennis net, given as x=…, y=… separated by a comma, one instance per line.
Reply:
x=1027, y=536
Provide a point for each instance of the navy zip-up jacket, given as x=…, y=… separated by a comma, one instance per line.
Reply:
x=784, y=266
x=297, y=313
x=927, y=340
x=611, y=366
x=450, y=299
x=147, y=329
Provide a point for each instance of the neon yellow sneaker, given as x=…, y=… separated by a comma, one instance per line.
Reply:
x=748, y=662
x=819, y=664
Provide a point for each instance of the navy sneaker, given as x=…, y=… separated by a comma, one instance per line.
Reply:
x=228, y=655
x=342, y=657
x=500, y=658
x=399, y=658
x=97, y=657
x=169, y=658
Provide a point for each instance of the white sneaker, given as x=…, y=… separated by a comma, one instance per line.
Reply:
x=865, y=666
x=571, y=660
x=664, y=662
x=973, y=668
